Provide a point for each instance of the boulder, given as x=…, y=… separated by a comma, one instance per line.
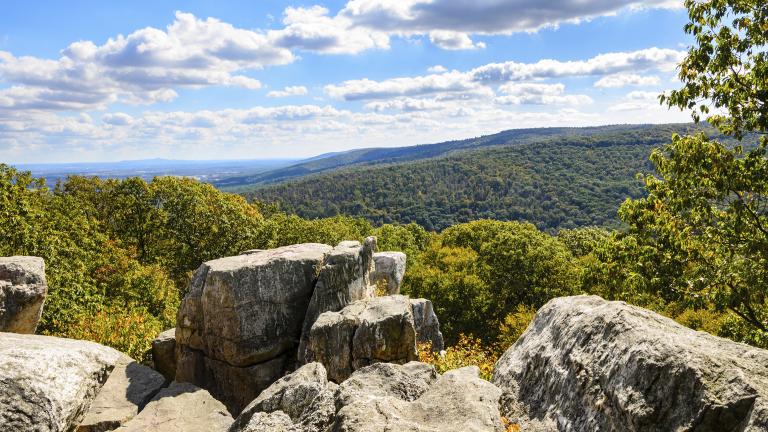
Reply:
x=459, y=401
x=589, y=364
x=240, y=322
x=164, y=354
x=380, y=329
x=128, y=389
x=380, y=397
x=344, y=278
x=47, y=384
x=181, y=407
x=389, y=268
x=22, y=293
x=427, y=324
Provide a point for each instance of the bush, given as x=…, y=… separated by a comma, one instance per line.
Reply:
x=514, y=325
x=468, y=351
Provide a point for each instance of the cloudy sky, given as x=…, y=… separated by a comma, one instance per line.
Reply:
x=102, y=81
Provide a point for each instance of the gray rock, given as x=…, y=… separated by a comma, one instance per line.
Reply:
x=588, y=364
x=128, y=389
x=277, y=421
x=181, y=407
x=241, y=320
x=305, y=397
x=389, y=267
x=427, y=324
x=365, y=332
x=405, y=382
x=164, y=354
x=458, y=402
x=47, y=384
x=344, y=278
x=22, y=293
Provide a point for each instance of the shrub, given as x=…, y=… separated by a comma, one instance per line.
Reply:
x=468, y=351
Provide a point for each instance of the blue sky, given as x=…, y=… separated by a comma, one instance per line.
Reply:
x=104, y=81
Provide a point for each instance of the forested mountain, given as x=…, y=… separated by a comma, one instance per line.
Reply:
x=554, y=178
x=377, y=156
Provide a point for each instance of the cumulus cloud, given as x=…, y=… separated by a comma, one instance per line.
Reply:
x=437, y=69
x=484, y=16
x=623, y=80
x=288, y=91
x=499, y=73
x=117, y=119
x=539, y=94
x=453, y=41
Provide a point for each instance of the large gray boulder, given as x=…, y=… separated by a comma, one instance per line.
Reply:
x=369, y=331
x=48, y=384
x=389, y=269
x=22, y=293
x=343, y=279
x=427, y=325
x=588, y=364
x=238, y=327
x=164, y=354
x=381, y=397
x=128, y=389
x=181, y=407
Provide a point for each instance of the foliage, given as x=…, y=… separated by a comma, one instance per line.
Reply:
x=467, y=351
x=515, y=324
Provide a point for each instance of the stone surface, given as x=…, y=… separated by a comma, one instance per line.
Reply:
x=459, y=401
x=343, y=279
x=241, y=320
x=47, y=383
x=390, y=268
x=128, y=389
x=164, y=354
x=181, y=407
x=588, y=364
x=381, y=397
x=427, y=324
x=22, y=293
x=368, y=331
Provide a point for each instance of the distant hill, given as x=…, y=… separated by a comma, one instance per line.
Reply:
x=554, y=178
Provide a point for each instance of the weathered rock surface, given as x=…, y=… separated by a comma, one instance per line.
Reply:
x=589, y=364
x=390, y=268
x=164, y=354
x=181, y=407
x=22, y=293
x=427, y=325
x=128, y=389
x=381, y=397
x=380, y=329
x=238, y=326
x=343, y=279
x=47, y=383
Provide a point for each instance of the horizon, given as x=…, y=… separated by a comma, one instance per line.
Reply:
x=93, y=82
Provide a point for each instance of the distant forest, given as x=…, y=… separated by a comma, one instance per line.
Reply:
x=555, y=182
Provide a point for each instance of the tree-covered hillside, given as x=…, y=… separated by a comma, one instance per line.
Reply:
x=559, y=181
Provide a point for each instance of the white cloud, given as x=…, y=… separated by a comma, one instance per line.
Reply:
x=624, y=79
x=288, y=91
x=499, y=73
x=453, y=41
x=539, y=94
x=117, y=119
x=437, y=69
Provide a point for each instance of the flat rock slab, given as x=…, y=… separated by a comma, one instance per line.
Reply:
x=47, y=384
x=128, y=389
x=588, y=364
x=23, y=288
x=181, y=407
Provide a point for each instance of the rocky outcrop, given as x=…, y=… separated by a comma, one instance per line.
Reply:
x=427, y=325
x=128, y=389
x=238, y=327
x=380, y=329
x=389, y=268
x=164, y=354
x=589, y=364
x=22, y=293
x=182, y=407
x=343, y=279
x=381, y=397
x=47, y=384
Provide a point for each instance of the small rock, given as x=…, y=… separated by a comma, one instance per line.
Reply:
x=427, y=324
x=389, y=267
x=164, y=354
x=182, y=407
x=22, y=293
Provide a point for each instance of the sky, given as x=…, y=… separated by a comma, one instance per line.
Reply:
x=90, y=81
